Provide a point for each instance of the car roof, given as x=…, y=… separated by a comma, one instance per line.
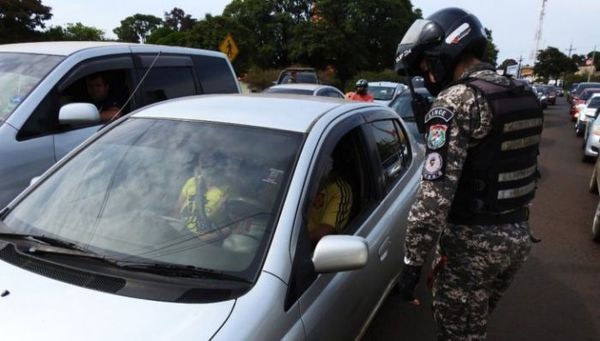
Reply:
x=65, y=48
x=293, y=113
x=300, y=86
x=388, y=84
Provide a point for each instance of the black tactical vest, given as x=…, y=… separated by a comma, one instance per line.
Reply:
x=500, y=173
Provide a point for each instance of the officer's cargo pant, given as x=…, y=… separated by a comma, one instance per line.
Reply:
x=481, y=262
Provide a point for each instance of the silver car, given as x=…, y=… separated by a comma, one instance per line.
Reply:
x=305, y=89
x=101, y=239
x=385, y=92
x=43, y=86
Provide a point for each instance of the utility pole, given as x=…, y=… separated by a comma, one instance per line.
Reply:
x=571, y=49
x=519, y=69
x=538, y=33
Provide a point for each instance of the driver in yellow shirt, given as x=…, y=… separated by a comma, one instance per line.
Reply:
x=330, y=210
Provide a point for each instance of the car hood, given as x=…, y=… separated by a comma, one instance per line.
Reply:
x=33, y=307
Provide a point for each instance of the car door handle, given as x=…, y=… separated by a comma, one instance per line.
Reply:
x=384, y=248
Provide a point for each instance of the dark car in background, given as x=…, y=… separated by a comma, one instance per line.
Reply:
x=401, y=104
x=576, y=92
x=298, y=75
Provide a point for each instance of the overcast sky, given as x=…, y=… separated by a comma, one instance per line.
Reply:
x=513, y=22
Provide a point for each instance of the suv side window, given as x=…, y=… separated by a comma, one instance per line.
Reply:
x=393, y=149
x=164, y=83
x=215, y=75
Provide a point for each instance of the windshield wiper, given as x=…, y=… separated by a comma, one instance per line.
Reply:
x=180, y=270
x=51, y=245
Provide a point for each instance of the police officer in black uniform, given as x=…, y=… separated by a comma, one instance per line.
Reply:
x=479, y=175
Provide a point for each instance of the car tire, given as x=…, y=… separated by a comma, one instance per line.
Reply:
x=596, y=225
x=593, y=185
x=579, y=129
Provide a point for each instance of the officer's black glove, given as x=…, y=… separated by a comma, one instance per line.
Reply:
x=409, y=277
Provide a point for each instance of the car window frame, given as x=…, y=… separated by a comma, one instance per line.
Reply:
x=300, y=247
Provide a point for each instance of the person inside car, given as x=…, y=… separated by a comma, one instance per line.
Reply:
x=98, y=90
x=330, y=209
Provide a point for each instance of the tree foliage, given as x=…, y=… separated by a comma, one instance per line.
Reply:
x=137, y=27
x=19, y=20
x=178, y=21
x=491, y=52
x=74, y=32
x=551, y=63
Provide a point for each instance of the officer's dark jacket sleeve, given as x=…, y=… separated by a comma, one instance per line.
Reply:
x=458, y=119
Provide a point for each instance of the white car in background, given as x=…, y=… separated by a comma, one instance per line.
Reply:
x=591, y=144
x=385, y=92
x=587, y=114
x=305, y=89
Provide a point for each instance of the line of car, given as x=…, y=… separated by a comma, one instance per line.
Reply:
x=584, y=110
x=102, y=226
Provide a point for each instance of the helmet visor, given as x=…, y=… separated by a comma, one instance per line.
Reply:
x=421, y=34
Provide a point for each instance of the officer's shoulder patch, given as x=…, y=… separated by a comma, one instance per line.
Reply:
x=441, y=113
x=434, y=163
x=436, y=136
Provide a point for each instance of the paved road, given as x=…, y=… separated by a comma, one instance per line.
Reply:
x=556, y=296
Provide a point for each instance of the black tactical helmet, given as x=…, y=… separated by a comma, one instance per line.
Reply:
x=362, y=83
x=441, y=40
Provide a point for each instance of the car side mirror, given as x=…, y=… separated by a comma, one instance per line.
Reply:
x=336, y=253
x=78, y=113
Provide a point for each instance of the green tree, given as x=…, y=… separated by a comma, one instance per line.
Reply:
x=74, y=32
x=178, y=21
x=491, y=52
x=551, y=63
x=166, y=36
x=578, y=59
x=137, y=28
x=19, y=20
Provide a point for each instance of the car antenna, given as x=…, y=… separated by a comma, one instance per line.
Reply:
x=118, y=113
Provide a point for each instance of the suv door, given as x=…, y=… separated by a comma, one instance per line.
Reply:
x=42, y=140
x=118, y=73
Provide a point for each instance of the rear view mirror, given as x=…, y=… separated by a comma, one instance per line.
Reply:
x=340, y=253
x=78, y=113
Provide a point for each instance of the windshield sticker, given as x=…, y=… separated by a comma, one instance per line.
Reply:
x=274, y=176
x=442, y=113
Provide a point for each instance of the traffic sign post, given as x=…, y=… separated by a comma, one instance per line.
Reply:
x=229, y=47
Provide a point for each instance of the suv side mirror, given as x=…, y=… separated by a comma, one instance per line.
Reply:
x=78, y=113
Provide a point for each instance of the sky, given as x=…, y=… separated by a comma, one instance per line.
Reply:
x=567, y=23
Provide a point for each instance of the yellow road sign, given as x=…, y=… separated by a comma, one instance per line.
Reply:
x=229, y=47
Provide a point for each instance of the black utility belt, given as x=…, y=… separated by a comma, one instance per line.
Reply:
x=489, y=218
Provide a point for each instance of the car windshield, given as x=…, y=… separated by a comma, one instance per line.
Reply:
x=586, y=94
x=132, y=194
x=19, y=74
x=401, y=105
x=382, y=93
x=594, y=103
x=288, y=91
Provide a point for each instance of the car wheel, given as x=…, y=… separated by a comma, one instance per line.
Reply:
x=593, y=185
x=579, y=129
x=596, y=225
